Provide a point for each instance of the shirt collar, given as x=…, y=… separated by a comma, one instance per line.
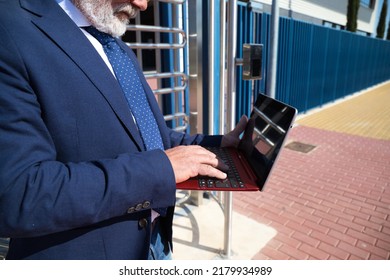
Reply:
x=75, y=14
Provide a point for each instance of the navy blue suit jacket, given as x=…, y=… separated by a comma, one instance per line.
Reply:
x=75, y=181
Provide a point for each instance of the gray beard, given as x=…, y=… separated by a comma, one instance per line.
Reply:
x=104, y=18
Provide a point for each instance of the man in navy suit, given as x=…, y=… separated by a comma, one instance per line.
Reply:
x=76, y=181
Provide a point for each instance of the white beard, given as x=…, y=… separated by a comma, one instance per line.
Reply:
x=104, y=17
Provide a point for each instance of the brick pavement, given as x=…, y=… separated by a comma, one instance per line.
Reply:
x=333, y=202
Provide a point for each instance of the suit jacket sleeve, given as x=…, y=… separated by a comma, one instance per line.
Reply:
x=178, y=138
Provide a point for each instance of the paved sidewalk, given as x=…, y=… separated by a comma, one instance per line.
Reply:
x=330, y=203
x=366, y=114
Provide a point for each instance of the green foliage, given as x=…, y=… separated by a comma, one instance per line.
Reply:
x=388, y=31
x=381, y=28
x=352, y=15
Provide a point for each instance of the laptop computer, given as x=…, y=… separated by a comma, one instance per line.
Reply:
x=250, y=164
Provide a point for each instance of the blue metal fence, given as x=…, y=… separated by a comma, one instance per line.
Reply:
x=316, y=64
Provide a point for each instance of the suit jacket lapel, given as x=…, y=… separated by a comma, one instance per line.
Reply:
x=54, y=22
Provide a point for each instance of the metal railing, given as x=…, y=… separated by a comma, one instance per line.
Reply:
x=160, y=46
x=3, y=247
x=172, y=79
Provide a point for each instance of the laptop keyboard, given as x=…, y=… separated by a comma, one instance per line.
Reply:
x=233, y=179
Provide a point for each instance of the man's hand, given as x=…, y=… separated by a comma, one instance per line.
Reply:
x=191, y=161
x=232, y=139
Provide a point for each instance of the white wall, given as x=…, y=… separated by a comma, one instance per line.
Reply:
x=334, y=11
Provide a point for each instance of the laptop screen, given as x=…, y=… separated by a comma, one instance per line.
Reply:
x=271, y=121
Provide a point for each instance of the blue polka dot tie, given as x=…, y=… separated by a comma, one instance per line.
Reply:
x=134, y=92
x=132, y=88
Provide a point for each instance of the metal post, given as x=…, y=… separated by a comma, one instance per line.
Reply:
x=222, y=67
x=231, y=64
x=211, y=65
x=231, y=112
x=273, y=54
x=195, y=55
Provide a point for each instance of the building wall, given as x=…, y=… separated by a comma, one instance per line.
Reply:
x=317, y=11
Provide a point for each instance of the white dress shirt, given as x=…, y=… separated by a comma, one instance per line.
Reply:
x=82, y=21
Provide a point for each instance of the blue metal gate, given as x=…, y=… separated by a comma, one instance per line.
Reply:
x=316, y=64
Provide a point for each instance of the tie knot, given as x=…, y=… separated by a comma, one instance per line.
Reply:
x=102, y=37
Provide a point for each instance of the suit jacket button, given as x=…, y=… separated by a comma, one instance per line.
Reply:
x=138, y=207
x=131, y=210
x=143, y=223
x=146, y=205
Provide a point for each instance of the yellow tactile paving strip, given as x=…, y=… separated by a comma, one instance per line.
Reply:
x=366, y=114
